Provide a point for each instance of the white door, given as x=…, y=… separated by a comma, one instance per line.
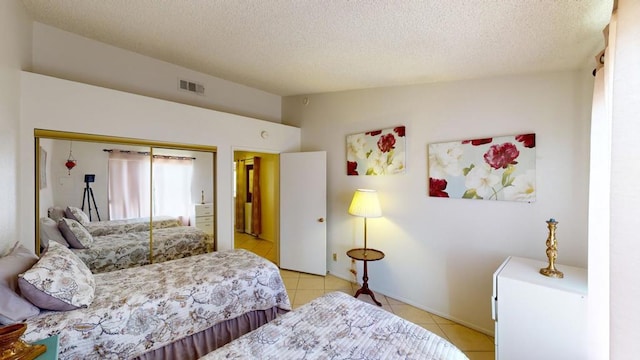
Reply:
x=303, y=207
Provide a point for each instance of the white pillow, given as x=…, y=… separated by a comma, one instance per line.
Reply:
x=56, y=213
x=58, y=281
x=76, y=235
x=49, y=231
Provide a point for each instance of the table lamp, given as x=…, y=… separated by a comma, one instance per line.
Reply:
x=365, y=204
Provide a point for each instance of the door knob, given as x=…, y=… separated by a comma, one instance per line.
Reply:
x=321, y=220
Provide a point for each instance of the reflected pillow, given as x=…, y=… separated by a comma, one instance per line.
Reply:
x=14, y=308
x=76, y=235
x=58, y=281
x=77, y=214
x=56, y=213
x=49, y=231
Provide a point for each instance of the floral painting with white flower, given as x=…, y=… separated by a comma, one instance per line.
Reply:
x=378, y=152
x=499, y=168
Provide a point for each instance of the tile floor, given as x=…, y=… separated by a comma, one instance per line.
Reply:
x=303, y=288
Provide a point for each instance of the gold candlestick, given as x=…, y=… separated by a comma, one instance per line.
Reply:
x=552, y=252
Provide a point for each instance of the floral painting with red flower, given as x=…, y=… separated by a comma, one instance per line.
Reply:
x=499, y=168
x=377, y=152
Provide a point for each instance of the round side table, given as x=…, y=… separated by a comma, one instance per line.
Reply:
x=365, y=255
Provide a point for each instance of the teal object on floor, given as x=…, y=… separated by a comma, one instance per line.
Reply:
x=52, y=348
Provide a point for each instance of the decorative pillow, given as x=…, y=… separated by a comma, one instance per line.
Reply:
x=77, y=214
x=58, y=281
x=56, y=213
x=13, y=308
x=49, y=231
x=76, y=235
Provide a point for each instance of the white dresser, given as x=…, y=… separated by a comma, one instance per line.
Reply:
x=538, y=317
x=203, y=218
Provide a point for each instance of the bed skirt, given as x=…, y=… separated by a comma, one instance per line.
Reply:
x=204, y=342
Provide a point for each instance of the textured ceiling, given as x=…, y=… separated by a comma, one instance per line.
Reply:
x=291, y=47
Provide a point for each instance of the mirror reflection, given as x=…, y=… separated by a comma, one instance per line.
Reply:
x=124, y=205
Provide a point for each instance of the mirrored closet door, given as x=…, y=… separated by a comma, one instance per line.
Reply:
x=128, y=201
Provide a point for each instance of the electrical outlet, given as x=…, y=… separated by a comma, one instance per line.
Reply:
x=335, y=257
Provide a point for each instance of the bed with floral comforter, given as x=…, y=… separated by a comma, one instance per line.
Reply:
x=339, y=326
x=110, y=227
x=139, y=310
x=122, y=251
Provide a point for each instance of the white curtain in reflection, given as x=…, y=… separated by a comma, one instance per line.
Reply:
x=172, y=187
x=129, y=189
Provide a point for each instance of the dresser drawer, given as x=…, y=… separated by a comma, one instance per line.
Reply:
x=204, y=210
x=205, y=224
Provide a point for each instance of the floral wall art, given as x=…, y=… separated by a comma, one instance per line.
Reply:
x=378, y=152
x=499, y=168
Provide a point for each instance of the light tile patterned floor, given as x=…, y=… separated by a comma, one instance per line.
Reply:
x=303, y=288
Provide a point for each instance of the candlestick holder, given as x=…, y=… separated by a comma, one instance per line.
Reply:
x=12, y=348
x=552, y=252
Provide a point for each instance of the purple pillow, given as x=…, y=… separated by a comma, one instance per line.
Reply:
x=17, y=261
x=58, y=281
x=76, y=235
x=14, y=308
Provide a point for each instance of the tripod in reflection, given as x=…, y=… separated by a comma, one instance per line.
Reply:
x=88, y=193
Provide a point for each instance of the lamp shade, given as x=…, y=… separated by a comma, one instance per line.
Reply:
x=365, y=204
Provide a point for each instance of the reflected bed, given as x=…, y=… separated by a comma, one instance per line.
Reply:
x=121, y=246
x=109, y=227
x=122, y=251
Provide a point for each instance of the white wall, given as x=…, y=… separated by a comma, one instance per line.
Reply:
x=441, y=253
x=15, y=54
x=68, y=56
x=625, y=191
x=51, y=103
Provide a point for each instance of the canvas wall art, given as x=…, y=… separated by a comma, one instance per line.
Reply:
x=498, y=168
x=378, y=152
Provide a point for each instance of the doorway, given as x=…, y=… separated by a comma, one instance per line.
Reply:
x=256, y=199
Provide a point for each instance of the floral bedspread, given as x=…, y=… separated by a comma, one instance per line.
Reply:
x=109, y=227
x=338, y=326
x=122, y=251
x=141, y=309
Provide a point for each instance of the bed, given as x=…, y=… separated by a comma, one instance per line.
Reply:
x=338, y=326
x=179, y=309
x=120, y=251
x=123, y=250
x=109, y=227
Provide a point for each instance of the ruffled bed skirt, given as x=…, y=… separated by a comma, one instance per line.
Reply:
x=199, y=344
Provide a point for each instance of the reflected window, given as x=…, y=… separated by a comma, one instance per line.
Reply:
x=172, y=179
x=129, y=185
